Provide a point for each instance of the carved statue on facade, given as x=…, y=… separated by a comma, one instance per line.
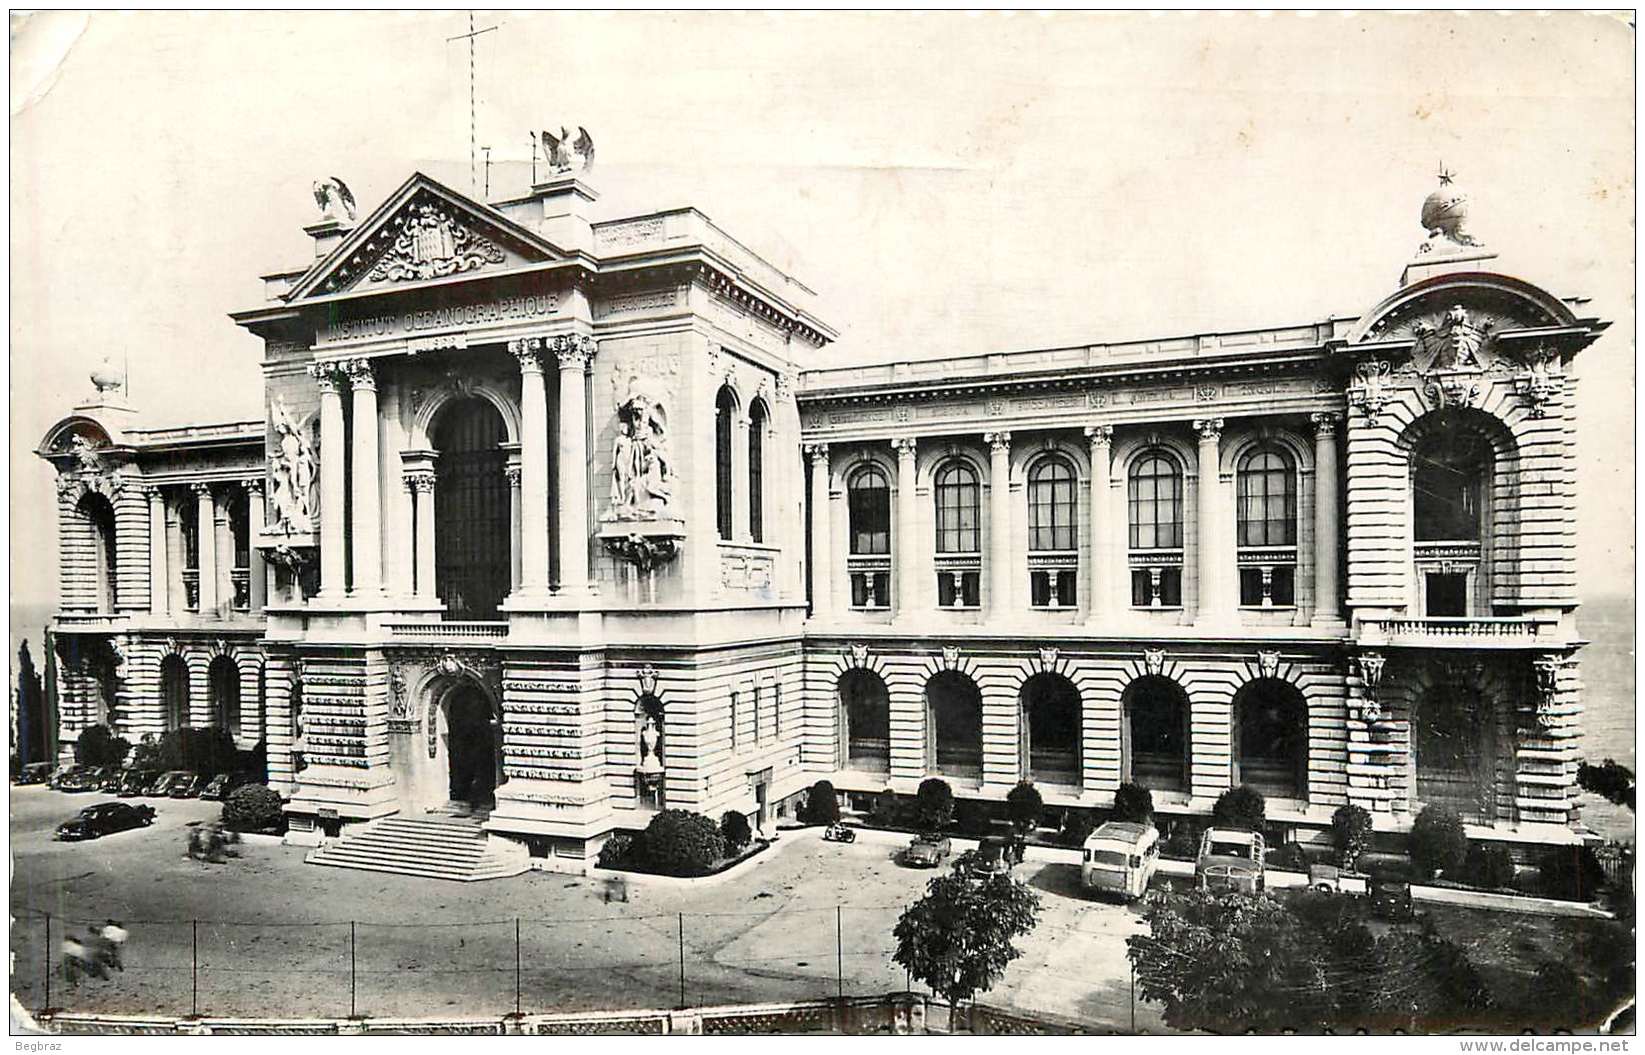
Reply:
x=642, y=473
x=87, y=459
x=650, y=746
x=330, y=193
x=1444, y=217
x=565, y=154
x=293, y=468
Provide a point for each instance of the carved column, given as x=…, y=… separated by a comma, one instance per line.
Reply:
x=1000, y=570
x=574, y=353
x=1326, y=518
x=1212, y=602
x=1099, y=603
x=908, y=570
x=333, y=537
x=421, y=485
x=159, y=573
x=512, y=474
x=367, y=530
x=257, y=570
x=533, y=474
x=822, y=546
x=206, y=535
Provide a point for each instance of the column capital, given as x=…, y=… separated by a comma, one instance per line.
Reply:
x=253, y=487
x=360, y=374
x=529, y=351
x=329, y=376
x=511, y=473
x=145, y=490
x=997, y=441
x=904, y=446
x=1100, y=435
x=817, y=452
x=419, y=481
x=574, y=350
x=201, y=488
x=1209, y=429
x=1325, y=423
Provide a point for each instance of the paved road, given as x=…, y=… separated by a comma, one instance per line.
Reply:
x=274, y=933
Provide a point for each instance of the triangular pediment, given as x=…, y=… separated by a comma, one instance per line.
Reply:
x=424, y=232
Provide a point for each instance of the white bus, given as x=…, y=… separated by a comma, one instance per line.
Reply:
x=1119, y=859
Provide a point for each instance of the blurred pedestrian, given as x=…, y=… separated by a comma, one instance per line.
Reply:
x=114, y=939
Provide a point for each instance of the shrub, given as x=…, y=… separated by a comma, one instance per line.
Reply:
x=933, y=805
x=1489, y=865
x=1571, y=872
x=1077, y=826
x=682, y=843
x=252, y=808
x=822, y=804
x=973, y=817
x=146, y=756
x=1609, y=780
x=1290, y=857
x=207, y=751
x=888, y=810
x=619, y=851
x=98, y=746
x=735, y=831
x=1350, y=834
x=1135, y=803
x=1182, y=841
x=1438, y=843
x=1025, y=806
x=1242, y=807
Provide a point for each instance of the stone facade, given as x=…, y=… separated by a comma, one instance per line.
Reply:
x=560, y=515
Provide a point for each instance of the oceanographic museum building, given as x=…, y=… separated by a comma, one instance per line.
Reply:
x=571, y=521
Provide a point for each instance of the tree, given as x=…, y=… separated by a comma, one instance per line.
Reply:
x=1026, y=807
x=957, y=939
x=98, y=746
x=735, y=831
x=681, y=843
x=933, y=805
x=1489, y=865
x=252, y=808
x=1610, y=780
x=1438, y=843
x=1242, y=807
x=207, y=751
x=1134, y=803
x=1350, y=833
x=822, y=804
x=33, y=736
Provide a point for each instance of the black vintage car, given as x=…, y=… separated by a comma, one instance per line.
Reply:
x=223, y=784
x=105, y=818
x=80, y=778
x=1390, y=897
x=188, y=786
x=34, y=773
x=135, y=782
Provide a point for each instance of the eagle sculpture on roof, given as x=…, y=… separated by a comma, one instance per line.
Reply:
x=330, y=193
x=564, y=153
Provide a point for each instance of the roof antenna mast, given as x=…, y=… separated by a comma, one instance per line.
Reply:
x=473, y=147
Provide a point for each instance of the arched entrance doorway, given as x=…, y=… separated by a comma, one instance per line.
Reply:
x=471, y=510
x=471, y=755
x=954, y=716
x=1457, y=746
x=1051, y=729
x=865, y=722
x=1156, y=734
x=174, y=690
x=449, y=758
x=224, y=678
x=1271, y=738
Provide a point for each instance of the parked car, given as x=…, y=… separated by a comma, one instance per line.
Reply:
x=223, y=784
x=993, y=857
x=1326, y=879
x=105, y=818
x=134, y=782
x=162, y=786
x=926, y=851
x=80, y=778
x=1390, y=897
x=34, y=773
x=110, y=777
x=1230, y=860
x=1120, y=858
x=189, y=787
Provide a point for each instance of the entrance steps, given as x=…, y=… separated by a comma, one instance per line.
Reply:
x=446, y=848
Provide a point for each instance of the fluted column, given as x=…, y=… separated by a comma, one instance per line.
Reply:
x=1326, y=519
x=1212, y=603
x=908, y=571
x=159, y=574
x=206, y=534
x=512, y=474
x=574, y=352
x=533, y=473
x=333, y=537
x=999, y=524
x=421, y=485
x=822, y=546
x=1099, y=605
x=367, y=533
x=257, y=569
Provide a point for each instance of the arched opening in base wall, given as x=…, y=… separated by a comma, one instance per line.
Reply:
x=1455, y=729
x=865, y=722
x=1156, y=741
x=471, y=753
x=954, y=717
x=1051, y=729
x=1271, y=738
x=472, y=564
x=174, y=691
x=224, y=679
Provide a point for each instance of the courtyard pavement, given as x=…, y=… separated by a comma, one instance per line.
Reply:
x=273, y=935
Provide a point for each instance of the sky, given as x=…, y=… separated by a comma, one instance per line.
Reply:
x=948, y=183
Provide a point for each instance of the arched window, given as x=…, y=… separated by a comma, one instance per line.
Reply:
x=1267, y=515
x=757, y=419
x=239, y=524
x=954, y=717
x=865, y=714
x=959, y=536
x=174, y=690
x=223, y=677
x=868, y=506
x=1449, y=469
x=99, y=515
x=1156, y=733
x=1271, y=738
x=472, y=566
x=1154, y=506
x=1051, y=729
x=1052, y=536
x=725, y=420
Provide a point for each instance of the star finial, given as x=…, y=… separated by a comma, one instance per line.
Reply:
x=1445, y=176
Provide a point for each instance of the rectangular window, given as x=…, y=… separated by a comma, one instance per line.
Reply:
x=961, y=589
x=870, y=589
x=1054, y=588
x=777, y=721
x=870, y=513
x=1447, y=595
x=733, y=721
x=1156, y=587
x=1268, y=586
x=756, y=714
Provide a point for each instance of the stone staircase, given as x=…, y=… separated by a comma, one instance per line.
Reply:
x=443, y=848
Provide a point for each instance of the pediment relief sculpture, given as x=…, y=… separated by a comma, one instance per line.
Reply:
x=429, y=243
